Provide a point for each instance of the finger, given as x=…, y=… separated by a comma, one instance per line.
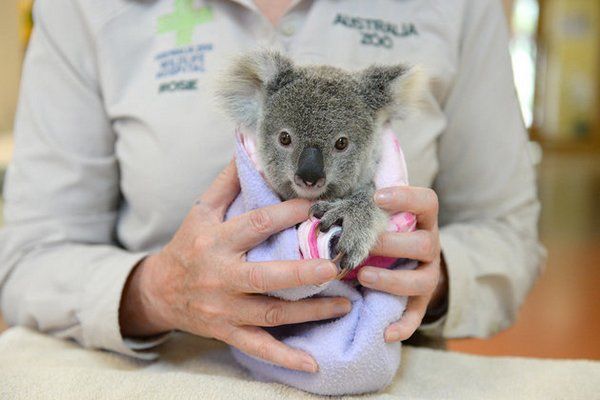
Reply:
x=247, y=230
x=410, y=321
x=258, y=343
x=419, y=245
x=421, y=281
x=223, y=189
x=275, y=275
x=266, y=311
x=422, y=202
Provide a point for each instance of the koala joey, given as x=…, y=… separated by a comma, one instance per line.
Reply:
x=317, y=131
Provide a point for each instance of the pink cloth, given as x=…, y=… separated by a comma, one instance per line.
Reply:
x=391, y=171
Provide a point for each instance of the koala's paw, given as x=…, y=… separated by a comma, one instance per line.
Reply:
x=361, y=226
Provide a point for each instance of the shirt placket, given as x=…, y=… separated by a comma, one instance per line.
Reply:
x=280, y=37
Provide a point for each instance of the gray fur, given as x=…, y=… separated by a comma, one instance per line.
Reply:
x=317, y=105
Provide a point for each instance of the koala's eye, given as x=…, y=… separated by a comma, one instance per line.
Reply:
x=284, y=138
x=341, y=143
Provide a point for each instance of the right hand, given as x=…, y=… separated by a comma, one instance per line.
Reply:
x=201, y=283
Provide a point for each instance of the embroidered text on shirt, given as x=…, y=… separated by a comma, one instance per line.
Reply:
x=376, y=32
x=183, y=61
x=176, y=86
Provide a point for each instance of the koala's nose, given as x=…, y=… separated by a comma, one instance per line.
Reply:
x=311, y=170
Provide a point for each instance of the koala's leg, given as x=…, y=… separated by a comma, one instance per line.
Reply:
x=361, y=220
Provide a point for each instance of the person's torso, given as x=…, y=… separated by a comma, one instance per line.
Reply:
x=157, y=59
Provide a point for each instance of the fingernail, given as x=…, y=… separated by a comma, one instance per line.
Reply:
x=383, y=196
x=309, y=365
x=369, y=277
x=392, y=335
x=326, y=271
x=342, y=308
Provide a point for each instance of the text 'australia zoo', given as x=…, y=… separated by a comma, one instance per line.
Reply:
x=376, y=32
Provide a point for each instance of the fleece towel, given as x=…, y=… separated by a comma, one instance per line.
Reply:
x=351, y=352
x=35, y=366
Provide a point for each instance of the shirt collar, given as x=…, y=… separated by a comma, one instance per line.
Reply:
x=251, y=5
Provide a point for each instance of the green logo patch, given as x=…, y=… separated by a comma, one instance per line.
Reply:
x=184, y=20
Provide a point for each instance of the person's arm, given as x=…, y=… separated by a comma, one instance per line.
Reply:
x=486, y=185
x=61, y=270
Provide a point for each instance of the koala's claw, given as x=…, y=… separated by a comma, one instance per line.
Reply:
x=317, y=214
x=353, y=253
x=328, y=214
x=327, y=223
x=344, y=265
x=318, y=209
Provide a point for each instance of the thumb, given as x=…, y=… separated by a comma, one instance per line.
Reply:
x=223, y=189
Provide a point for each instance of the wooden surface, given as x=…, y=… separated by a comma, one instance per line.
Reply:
x=560, y=318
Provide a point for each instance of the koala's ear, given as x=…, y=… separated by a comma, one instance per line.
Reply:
x=392, y=91
x=251, y=78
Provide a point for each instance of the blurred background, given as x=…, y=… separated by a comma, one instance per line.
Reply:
x=555, y=49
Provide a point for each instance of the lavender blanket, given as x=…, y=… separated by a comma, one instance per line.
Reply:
x=351, y=352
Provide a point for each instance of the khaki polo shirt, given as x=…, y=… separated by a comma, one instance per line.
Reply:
x=117, y=133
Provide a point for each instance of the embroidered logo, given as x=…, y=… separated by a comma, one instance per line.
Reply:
x=185, y=61
x=376, y=32
x=190, y=59
x=184, y=20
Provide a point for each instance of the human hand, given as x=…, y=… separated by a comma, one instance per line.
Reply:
x=201, y=283
x=426, y=285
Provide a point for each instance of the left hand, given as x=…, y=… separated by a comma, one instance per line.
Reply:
x=421, y=284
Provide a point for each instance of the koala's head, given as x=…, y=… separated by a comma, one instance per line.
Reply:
x=317, y=127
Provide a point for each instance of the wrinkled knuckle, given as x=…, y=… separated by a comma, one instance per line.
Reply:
x=384, y=241
x=275, y=315
x=260, y=221
x=227, y=333
x=210, y=312
x=297, y=274
x=426, y=247
x=214, y=215
x=432, y=285
x=257, y=279
x=263, y=351
x=428, y=285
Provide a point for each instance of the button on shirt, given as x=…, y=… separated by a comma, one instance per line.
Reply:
x=117, y=134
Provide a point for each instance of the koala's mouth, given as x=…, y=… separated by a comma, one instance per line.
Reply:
x=309, y=190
